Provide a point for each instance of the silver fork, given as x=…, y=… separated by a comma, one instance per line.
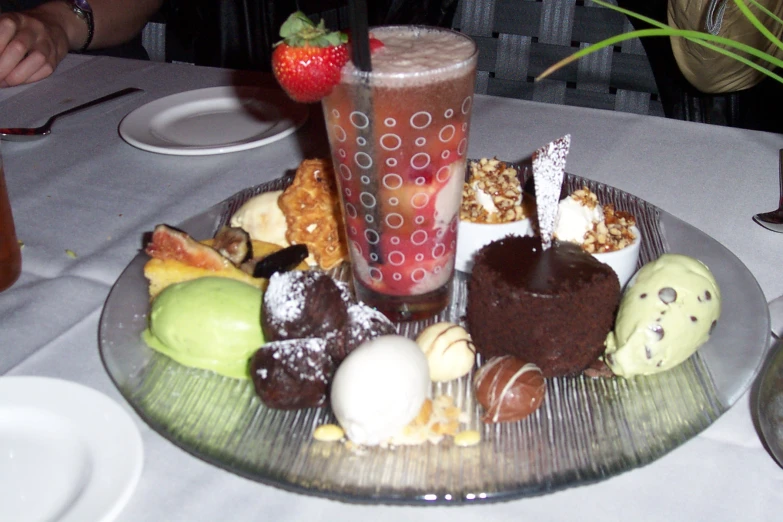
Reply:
x=36, y=133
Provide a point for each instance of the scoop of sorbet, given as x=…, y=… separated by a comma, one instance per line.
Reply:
x=211, y=323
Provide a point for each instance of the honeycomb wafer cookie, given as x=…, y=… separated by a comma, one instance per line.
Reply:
x=313, y=214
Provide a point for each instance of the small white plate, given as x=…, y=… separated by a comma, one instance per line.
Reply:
x=67, y=452
x=216, y=120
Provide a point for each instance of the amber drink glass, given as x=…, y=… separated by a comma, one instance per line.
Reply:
x=398, y=138
x=10, y=254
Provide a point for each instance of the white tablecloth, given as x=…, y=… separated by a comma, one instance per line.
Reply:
x=84, y=189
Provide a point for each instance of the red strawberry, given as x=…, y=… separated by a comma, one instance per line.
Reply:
x=308, y=61
x=375, y=44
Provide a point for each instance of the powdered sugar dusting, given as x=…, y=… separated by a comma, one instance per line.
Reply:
x=365, y=317
x=302, y=356
x=284, y=297
x=548, y=171
x=364, y=323
x=345, y=292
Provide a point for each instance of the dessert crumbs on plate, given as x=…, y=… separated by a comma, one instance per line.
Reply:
x=467, y=438
x=438, y=419
x=328, y=433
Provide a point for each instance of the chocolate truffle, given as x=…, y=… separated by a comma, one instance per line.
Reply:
x=292, y=374
x=312, y=323
x=364, y=323
x=551, y=307
x=509, y=389
x=302, y=304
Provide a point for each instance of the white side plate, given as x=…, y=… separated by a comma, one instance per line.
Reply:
x=216, y=120
x=67, y=452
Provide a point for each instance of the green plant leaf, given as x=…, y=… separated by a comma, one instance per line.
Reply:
x=705, y=39
x=723, y=51
x=756, y=23
x=766, y=11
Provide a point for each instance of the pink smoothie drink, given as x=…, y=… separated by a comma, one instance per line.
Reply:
x=399, y=140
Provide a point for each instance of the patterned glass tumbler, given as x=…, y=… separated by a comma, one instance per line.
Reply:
x=399, y=138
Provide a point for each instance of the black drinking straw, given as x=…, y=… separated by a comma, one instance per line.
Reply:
x=360, y=35
x=360, y=56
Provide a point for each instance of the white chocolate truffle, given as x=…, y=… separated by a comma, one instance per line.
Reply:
x=262, y=219
x=449, y=350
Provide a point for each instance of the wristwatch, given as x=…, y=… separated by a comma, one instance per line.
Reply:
x=82, y=9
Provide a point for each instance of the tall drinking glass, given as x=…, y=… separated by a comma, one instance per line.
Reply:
x=398, y=139
x=10, y=255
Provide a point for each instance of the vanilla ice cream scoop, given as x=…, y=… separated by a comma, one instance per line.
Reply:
x=575, y=219
x=380, y=388
x=669, y=309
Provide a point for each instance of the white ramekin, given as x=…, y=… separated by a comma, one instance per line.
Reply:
x=624, y=261
x=473, y=236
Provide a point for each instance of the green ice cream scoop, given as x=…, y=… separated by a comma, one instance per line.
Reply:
x=668, y=310
x=212, y=323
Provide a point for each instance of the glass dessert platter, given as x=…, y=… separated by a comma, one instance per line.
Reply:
x=587, y=429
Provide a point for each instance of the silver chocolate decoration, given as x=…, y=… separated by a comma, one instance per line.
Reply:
x=548, y=171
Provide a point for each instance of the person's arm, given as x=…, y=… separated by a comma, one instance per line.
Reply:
x=116, y=21
x=33, y=42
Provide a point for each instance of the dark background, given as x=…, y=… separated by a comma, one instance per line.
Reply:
x=240, y=34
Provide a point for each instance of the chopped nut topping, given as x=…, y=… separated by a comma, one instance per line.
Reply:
x=613, y=233
x=498, y=181
x=585, y=197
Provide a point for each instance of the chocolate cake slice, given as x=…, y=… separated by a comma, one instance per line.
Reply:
x=550, y=307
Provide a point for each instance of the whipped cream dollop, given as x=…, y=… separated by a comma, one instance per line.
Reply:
x=484, y=199
x=575, y=219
